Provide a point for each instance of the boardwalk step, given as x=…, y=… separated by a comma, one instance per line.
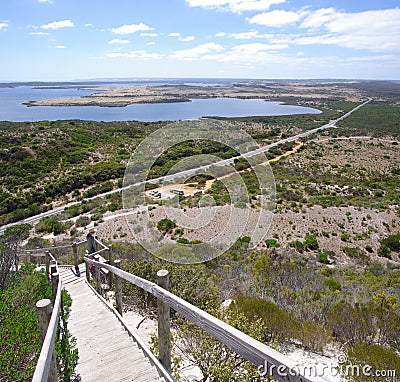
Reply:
x=106, y=350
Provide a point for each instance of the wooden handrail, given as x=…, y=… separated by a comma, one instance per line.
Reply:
x=269, y=361
x=279, y=366
x=43, y=365
x=153, y=359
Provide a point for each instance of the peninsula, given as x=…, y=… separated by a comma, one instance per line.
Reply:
x=284, y=91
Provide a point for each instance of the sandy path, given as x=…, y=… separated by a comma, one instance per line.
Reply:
x=166, y=190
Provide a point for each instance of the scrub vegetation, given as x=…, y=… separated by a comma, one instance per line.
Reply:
x=327, y=275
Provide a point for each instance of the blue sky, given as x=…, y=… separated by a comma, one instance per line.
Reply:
x=83, y=39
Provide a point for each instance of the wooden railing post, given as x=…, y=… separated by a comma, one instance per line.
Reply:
x=87, y=270
x=164, y=323
x=111, y=262
x=47, y=262
x=75, y=250
x=118, y=288
x=97, y=274
x=43, y=310
x=53, y=269
x=54, y=284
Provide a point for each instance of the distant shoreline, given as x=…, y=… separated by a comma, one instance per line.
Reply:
x=116, y=96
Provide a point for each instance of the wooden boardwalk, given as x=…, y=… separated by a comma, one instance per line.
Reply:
x=106, y=350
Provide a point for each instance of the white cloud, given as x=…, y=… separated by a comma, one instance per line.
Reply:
x=151, y=43
x=257, y=47
x=177, y=34
x=250, y=53
x=39, y=33
x=119, y=41
x=371, y=22
x=187, y=38
x=146, y=34
x=376, y=30
x=242, y=53
x=140, y=54
x=58, y=24
x=46, y=1
x=261, y=5
x=236, y=6
x=318, y=18
x=253, y=34
x=3, y=26
x=59, y=47
x=88, y=25
x=275, y=18
x=197, y=52
x=131, y=28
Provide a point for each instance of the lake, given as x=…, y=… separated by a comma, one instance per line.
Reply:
x=11, y=108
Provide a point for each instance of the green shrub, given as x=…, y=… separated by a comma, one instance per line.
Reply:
x=392, y=242
x=297, y=245
x=113, y=207
x=271, y=243
x=311, y=242
x=166, y=225
x=242, y=205
x=50, y=225
x=96, y=217
x=345, y=237
x=377, y=357
x=369, y=248
x=355, y=252
x=278, y=324
x=323, y=258
x=19, y=332
x=351, y=323
x=384, y=251
x=332, y=284
x=313, y=336
x=183, y=240
x=82, y=221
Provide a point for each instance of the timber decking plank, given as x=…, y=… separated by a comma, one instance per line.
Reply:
x=106, y=351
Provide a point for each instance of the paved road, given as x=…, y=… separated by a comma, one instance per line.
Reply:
x=224, y=162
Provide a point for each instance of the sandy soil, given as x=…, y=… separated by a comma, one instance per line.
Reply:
x=365, y=226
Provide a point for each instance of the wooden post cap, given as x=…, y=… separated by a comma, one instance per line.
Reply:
x=43, y=303
x=162, y=273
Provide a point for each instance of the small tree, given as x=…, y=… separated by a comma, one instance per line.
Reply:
x=311, y=242
x=9, y=243
x=166, y=225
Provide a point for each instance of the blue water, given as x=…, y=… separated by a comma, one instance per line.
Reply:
x=12, y=109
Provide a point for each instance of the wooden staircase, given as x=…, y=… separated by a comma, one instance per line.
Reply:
x=107, y=352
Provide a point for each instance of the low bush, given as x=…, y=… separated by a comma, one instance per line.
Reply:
x=379, y=358
x=82, y=221
x=19, y=332
x=166, y=225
